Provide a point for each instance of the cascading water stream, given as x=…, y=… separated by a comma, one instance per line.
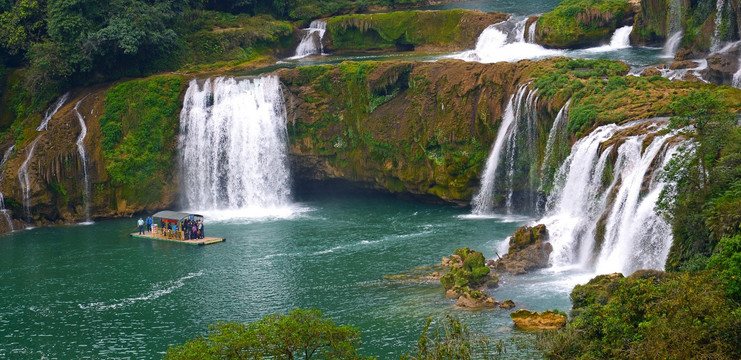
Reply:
x=505, y=41
x=674, y=29
x=51, y=111
x=583, y=202
x=311, y=43
x=556, y=136
x=233, y=147
x=620, y=40
x=3, y=210
x=716, y=42
x=25, y=181
x=531, y=32
x=83, y=158
x=527, y=117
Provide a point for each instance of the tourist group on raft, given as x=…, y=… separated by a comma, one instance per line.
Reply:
x=192, y=229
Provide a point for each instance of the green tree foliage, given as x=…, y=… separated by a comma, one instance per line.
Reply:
x=727, y=261
x=704, y=200
x=651, y=315
x=20, y=26
x=452, y=340
x=302, y=334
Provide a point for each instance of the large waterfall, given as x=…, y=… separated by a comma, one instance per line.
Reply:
x=311, y=42
x=505, y=41
x=233, y=147
x=604, y=198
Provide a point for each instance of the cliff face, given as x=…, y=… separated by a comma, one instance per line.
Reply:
x=419, y=128
x=448, y=30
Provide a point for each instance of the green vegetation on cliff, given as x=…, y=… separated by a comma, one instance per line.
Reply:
x=139, y=130
x=581, y=22
x=408, y=29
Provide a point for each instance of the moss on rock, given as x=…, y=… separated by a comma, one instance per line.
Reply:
x=581, y=23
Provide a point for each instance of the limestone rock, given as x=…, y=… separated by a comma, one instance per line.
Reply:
x=722, y=66
x=531, y=320
x=652, y=71
x=528, y=250
x=684, y=64
x=506, y=304
x=475, y=300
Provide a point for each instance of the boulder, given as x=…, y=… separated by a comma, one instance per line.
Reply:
x=506, y=304
x=528, y=250
x=722, y=66
x=531, y=320
x=475, y=299
x=651, y=71
x=684, y=64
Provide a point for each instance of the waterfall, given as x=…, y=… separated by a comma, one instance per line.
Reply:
x=483, y=201
x=604, y=206
x=505, y=42
x=737, y=77
x=719, y=6
x=51, y=111
x=3, y=210
x=83, y=159
x=620, y=40
x=24, y=180
x=557, y=136
x=531, y=32
x=524, y=133
x=674, y=28
x=233, y=146
x=311, y=42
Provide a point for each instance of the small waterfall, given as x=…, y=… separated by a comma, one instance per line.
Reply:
x=83, y=159
x=620, y=40
x=3, y=210
x=525, y=134
x=51, y=111
x=674, y=28
x=25, y=181
x=599, y=206
x=483, y=201
x=311, y=43
x=716, y=42
x=737, y=77
x=531, y=32
x=505, y=42
x=557, y=136
x=233, y=145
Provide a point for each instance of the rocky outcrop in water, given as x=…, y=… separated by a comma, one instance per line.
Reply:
x=533, y=321
x=528, y=250
x=575, y=23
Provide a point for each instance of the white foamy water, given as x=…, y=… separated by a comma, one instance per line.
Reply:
x=672, y=44
x=24, y=179
x=233, y=148
x=635, y=237
x=620, y=40
x=716, y=42
x=311, y=42
x=505, y=42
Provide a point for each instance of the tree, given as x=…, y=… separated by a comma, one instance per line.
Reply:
x=452, y=340
x=303, y=334
x=20, y=26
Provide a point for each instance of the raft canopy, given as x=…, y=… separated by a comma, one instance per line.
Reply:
x=175, y=217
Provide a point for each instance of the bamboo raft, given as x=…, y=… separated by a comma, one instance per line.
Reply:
x=176, y=220
x=178, y=239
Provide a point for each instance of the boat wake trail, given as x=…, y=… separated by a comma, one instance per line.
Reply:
x=160, y=290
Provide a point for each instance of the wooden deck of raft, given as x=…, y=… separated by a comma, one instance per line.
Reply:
x=205, y=241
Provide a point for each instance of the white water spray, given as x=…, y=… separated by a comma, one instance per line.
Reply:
x=311, y=43
x=557, y=134
x=483, y=201
x=620, y=40
x=505, y=42
x=51, y=111
x=25, y=181
x=719, y=7
x=83, y=158
x=531, y=32
x=3, y=210
x=634, y=235
x=674, y=29
x=233, y=146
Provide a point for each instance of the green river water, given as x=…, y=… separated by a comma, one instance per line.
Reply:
x=91, y=291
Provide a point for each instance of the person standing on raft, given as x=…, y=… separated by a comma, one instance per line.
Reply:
x=141, y=226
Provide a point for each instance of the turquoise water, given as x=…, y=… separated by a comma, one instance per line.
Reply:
x=93, y=292
x=515, y=7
